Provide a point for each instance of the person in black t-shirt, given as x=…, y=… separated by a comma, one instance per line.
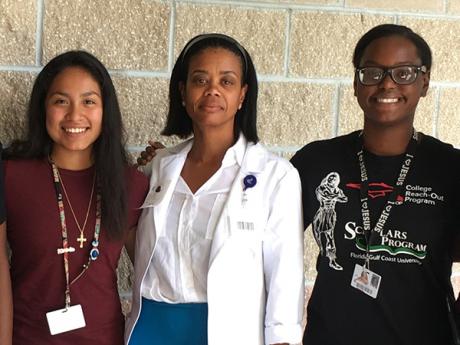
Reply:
x=382, y=203
x=6, y=318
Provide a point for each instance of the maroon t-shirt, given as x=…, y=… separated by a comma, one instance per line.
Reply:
x=37, y=271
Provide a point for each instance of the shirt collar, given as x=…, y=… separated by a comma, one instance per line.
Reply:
x=235, y=154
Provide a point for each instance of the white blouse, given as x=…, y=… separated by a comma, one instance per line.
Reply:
x=179, y=268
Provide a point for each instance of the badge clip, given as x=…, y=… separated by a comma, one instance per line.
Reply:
x=249, y=181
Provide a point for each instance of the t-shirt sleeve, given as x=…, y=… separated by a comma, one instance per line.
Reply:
x=2, y=191
x=138, y=187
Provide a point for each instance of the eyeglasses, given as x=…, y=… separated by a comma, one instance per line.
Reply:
x=402, y=75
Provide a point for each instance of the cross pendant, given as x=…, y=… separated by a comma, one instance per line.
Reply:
x=81, y=239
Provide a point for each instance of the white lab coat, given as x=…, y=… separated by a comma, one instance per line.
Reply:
x=255, y=278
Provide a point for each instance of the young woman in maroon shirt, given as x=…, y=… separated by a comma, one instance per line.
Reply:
x=71, y=198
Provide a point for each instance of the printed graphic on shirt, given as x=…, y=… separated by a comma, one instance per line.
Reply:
x=392, y=245
x=328, y=194
x=376, y=189
x=414, y=194
x=389, y=246
x=422, y=195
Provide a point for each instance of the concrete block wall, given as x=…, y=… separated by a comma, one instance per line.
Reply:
x=301, y=48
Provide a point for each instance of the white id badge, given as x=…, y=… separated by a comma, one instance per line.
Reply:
x=366, y=281
x=64, y=320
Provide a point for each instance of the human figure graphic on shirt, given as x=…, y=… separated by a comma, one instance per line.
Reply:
x=328, y=194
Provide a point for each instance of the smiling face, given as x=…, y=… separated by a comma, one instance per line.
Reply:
x=387, y=103
x=213, y=91
x=73, y=113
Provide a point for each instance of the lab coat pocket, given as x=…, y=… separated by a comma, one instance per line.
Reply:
x=245, y=224
x=156, y=194
x=246, y=235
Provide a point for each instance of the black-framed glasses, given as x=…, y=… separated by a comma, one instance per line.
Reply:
x=402, y=75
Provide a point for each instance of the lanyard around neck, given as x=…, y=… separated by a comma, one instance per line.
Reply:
x=393, y=199
x=94, y=252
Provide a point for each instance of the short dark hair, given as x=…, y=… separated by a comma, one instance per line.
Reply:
x=386, y=30
x=110, y=156
x=179, y=122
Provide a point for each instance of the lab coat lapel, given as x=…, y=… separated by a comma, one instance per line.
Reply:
x=169, y=170
x=254, y=162
x=223, y=227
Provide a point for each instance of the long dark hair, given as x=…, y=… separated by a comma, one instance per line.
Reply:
x=108, y=150
x=179, y=122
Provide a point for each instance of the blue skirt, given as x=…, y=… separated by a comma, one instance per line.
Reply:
x=171, y=324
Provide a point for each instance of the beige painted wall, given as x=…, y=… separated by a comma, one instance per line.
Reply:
x=302, y=50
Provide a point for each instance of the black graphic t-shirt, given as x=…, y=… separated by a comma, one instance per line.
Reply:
x=2, y=189
x=412, y=253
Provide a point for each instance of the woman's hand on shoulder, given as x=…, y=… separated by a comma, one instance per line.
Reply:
x=149, y=153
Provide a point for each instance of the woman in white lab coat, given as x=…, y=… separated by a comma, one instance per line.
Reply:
x=219, y=252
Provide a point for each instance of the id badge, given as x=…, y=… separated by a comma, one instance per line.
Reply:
x=366, y=281
x=64, y=320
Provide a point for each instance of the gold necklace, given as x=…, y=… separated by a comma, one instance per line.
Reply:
x=81, y=238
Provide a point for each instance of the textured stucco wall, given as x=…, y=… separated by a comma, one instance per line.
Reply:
x=302, y=51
